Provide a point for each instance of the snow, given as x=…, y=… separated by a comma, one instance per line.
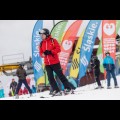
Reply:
x=82, y=93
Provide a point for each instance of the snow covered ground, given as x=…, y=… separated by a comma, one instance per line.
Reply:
x=82, y=93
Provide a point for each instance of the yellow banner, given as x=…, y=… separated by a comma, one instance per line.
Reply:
x=74, y=70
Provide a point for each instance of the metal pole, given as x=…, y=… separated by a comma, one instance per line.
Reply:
x=53, y=23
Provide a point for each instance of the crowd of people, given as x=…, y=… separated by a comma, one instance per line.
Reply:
x=49, y=49
x=13, y=86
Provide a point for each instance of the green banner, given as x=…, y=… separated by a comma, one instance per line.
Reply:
x=46, y=78
x=99, y=55
x=58, y=30
x=117, y=26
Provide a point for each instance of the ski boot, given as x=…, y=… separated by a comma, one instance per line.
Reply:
x=116, y=86
x=16, y=96
x=108, y=87
x=56, y=93
x=50, y=93
x=31, y=95
x=99, y=87
x=68, y=91
x=102, y=87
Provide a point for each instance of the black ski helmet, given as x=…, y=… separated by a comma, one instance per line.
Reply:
x=45, y=31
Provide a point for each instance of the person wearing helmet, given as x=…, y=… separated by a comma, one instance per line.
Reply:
x=109, y=66
x=96, y=69
x=21, y=73
x=49, y=49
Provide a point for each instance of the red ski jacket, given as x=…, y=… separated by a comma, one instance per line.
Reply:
x=53, y=46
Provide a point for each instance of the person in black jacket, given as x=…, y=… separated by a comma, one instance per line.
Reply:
x=96, y=68
x=21, y=73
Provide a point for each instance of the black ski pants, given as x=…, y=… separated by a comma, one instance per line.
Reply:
x=57, y=69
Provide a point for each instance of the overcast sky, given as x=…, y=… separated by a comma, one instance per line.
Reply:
x=16, y=36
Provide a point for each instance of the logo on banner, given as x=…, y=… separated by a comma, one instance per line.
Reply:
x=37, y=66
x=67, y=44
x=84, y=61
x=75, y=64
x=109, y=29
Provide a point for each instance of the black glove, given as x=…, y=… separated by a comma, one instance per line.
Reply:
x=48, y=52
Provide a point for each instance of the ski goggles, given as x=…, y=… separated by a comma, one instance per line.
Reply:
x=42, y=32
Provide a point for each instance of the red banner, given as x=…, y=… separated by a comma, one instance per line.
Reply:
x=67, y=43
x=109, y=37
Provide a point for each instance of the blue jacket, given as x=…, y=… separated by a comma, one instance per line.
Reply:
x=33, y=89
x=1, y=93
x=108, y=63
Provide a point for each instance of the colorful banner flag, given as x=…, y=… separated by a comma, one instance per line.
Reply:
x=58, y=30
x=100, y=56
x=36, y=59
x=46, y=77
x=87, y=46
x=109, y=37
x=74, y=70
x=67, y=44
x=117, y=26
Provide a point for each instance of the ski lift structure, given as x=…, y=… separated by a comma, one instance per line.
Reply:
x=11, y=62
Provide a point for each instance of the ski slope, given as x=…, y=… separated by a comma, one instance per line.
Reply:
x=82, y=93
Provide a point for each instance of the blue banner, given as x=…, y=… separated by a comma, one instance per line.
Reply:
x=36, y=59
x=87, y=46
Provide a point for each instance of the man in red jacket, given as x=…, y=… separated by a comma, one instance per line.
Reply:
x=49, y=49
